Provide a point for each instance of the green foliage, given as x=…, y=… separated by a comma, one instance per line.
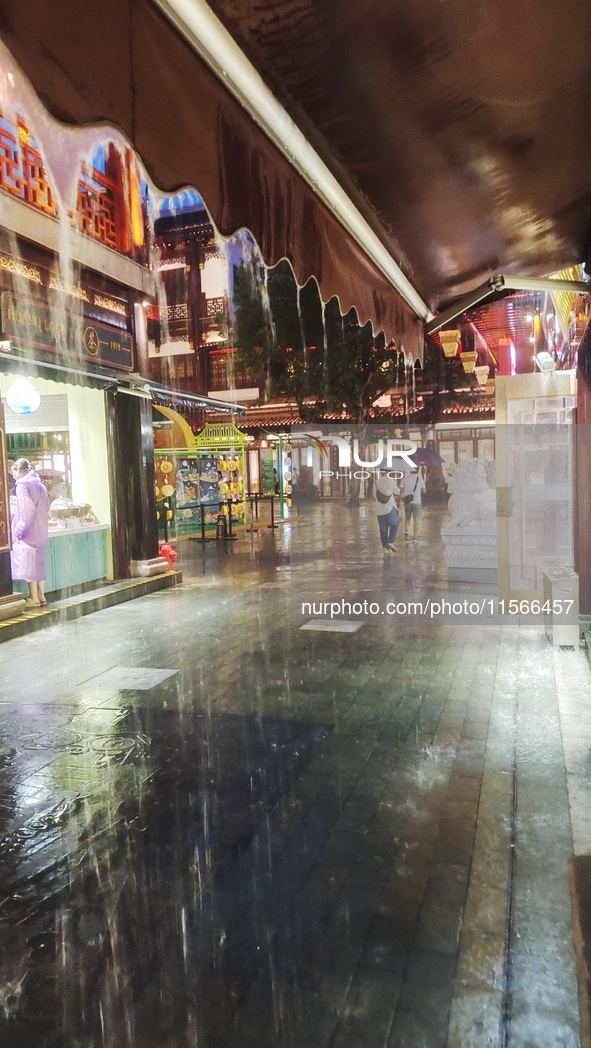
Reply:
x=325, y=363
x=252, y=331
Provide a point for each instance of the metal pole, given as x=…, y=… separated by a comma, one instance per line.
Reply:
x=280, y=475
x=272, y=524
x=250, y=501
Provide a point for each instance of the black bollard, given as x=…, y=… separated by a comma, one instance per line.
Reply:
x=250, y=501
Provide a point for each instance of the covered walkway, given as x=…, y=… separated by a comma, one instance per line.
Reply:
x=221, y=830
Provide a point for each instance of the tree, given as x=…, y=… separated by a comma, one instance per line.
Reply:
x=326, y=361
x=306, y=351
x=252, y=321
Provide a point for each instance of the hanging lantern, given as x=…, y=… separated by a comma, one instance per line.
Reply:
x=450, y=341
x=490, y=387
x=214, y=336
x=23, y=397
x=481, y=373
x=468, y=361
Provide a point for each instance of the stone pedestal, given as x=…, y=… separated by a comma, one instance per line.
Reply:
x=471, y=552
x=11, y=606
x=146, y=568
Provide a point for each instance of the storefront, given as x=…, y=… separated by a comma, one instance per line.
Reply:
x=77, y=284
x=71, y=408
x=64, y=437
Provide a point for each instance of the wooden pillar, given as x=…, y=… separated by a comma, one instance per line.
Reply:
x=197, y=307
x=131, y=461
x=583, y=475
x=5, y=575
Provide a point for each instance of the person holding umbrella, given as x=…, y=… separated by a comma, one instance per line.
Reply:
x=386, y=492
x=412, y=488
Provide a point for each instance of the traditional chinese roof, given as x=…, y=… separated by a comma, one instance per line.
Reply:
x=282, y=415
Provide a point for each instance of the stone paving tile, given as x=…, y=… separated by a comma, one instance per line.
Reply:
x=475, y=1020
x=440, y=918
x=365, y=902
x=424, y=1003
x=368, y=1010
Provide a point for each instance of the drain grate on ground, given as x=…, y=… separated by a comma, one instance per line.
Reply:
x=130, y=678
x=332, y=626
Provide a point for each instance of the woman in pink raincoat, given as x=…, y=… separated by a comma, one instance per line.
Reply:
x=29, y=530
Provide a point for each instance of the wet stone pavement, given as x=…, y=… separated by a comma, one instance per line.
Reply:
x=288, y=838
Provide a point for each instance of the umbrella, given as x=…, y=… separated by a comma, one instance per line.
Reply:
x=426, y=457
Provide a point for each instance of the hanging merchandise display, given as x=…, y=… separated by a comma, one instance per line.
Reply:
x=196, y=484
x=220, y=451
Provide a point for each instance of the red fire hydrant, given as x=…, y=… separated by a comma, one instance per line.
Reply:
x=169, y=555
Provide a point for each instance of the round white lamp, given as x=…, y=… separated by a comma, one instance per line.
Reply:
x=23, y=397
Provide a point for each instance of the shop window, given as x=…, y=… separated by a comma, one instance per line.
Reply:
x=465, y=450
x=447, y=451
x=254, y=475
x=48, y=453
x=223, y=372
x=486, y=449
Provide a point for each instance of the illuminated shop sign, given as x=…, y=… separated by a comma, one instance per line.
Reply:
x=75, y=290
x=103, y=302
x=40, y=276
x=18, y=268
x=28, y=323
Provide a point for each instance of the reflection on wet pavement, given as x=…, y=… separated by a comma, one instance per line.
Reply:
x=116, y=877
x=291, y=838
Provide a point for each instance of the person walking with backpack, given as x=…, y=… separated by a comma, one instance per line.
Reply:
x=412, y=487
x=386, y=490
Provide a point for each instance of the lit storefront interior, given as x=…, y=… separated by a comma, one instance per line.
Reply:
x=65, y=440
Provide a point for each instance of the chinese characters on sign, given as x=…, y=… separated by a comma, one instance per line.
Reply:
x=35, y=325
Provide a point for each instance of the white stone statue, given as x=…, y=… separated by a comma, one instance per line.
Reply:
x=471, y=498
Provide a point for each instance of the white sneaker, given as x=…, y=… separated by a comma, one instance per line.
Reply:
x=393, y=549
x=406, y=536
x=415, y=542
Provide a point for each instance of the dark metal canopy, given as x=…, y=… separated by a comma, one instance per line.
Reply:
x=127, y=66
x=459, y=128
